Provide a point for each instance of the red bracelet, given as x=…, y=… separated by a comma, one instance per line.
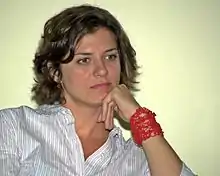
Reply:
x=143, y=125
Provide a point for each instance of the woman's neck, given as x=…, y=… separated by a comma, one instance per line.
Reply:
x=86, y=124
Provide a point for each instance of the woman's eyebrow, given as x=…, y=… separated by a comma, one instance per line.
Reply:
x=83, y=53
x=111, y=49
x=88, y=53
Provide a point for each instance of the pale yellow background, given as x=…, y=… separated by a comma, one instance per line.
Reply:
x=177, y=44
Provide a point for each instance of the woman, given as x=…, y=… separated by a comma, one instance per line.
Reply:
x=85, y=69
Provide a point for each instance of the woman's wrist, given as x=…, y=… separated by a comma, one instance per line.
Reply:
x=144, y=125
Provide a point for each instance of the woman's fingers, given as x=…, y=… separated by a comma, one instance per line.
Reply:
x=107, y=113
x=104, y=110
x=105, y=105
x=121, y=100
x=109, y=117
x=99, y=117
x=111, y=122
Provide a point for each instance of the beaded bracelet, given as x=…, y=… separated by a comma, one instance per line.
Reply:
x=143, y=125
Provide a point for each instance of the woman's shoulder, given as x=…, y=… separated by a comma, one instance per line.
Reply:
x=17, y=113
x=23, y=110
x=13, y=112
x=23, y=115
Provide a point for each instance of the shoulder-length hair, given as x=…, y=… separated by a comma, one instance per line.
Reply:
x=61, y=34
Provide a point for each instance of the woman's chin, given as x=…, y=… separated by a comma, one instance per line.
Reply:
x=97, y=101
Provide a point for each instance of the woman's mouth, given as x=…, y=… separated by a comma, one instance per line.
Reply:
x=101, y=85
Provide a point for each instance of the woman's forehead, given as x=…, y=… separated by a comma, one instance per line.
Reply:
x=102, y=39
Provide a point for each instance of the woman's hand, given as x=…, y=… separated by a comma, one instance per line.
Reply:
x=120, y=100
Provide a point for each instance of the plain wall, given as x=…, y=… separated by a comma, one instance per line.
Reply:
x=177, y=44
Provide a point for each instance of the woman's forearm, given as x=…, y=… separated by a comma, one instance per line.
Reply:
x=162, y=159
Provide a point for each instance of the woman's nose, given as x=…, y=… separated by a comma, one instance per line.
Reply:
x=100, y=68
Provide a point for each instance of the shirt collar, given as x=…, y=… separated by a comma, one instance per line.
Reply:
x=69, y=119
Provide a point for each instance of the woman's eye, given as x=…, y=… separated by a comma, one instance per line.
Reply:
x=111, y=57
x=83, y=60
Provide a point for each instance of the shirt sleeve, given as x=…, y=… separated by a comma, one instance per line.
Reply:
x=9, y=158
x=186, y=171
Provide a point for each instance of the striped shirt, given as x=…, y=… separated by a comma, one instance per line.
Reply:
x=43, y=142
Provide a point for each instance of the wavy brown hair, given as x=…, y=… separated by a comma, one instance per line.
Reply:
x=61, y=34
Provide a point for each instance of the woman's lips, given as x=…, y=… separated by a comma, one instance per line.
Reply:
x=101, y=85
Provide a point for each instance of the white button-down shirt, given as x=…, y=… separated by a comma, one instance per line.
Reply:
x=43, y=142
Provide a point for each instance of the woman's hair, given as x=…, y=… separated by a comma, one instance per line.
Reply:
x=61, y=34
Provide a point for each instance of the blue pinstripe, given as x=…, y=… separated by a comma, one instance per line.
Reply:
x=43, y=142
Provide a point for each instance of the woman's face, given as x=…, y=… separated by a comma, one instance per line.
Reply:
x=94, y=70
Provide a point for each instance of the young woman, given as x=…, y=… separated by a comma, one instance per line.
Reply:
x=85, y=70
